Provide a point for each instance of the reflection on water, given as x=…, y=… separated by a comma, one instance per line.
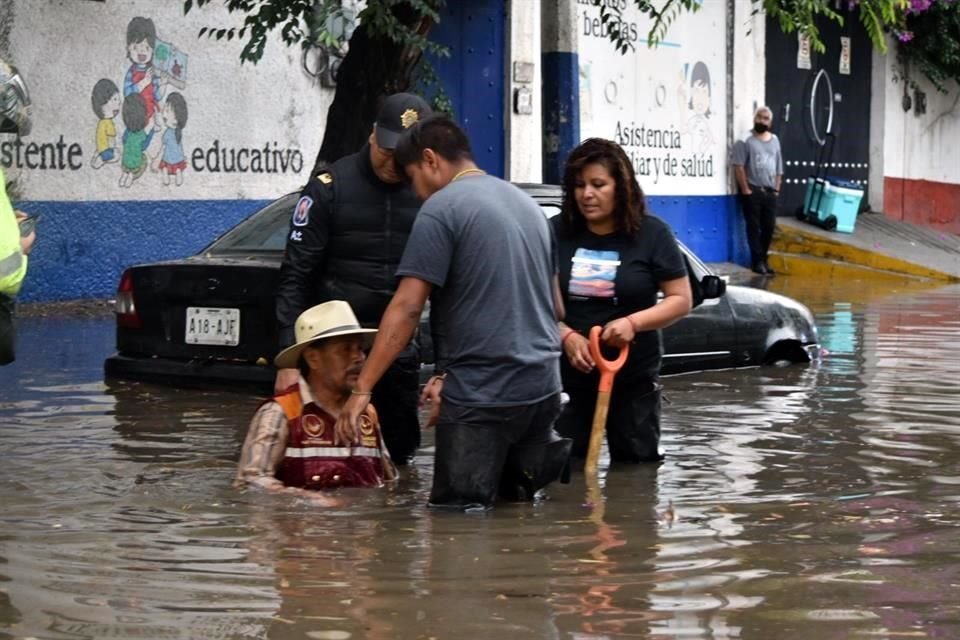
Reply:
x=795, y=502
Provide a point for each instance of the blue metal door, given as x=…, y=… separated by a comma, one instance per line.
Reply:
x=809, y=103
x=473, y=76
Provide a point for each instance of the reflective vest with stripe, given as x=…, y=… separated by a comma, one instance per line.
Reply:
x=313, y=461
x=13, y=264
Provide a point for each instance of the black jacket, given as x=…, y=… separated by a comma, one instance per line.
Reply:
x=347, y=235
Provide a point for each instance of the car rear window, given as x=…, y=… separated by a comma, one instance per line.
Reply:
x=266, y=230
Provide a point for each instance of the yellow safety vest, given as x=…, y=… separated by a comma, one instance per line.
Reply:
x=13, y=264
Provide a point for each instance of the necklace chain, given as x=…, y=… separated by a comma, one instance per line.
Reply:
x=466, y=172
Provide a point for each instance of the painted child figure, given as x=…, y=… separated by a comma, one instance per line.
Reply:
x=171, y=160
x=105, y=100
x=134, y=160
x=694, y=109
x=142, y=77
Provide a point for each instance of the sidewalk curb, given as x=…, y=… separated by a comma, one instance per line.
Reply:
x=803, y=253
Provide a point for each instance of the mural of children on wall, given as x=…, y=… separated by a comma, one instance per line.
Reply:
x=696, y=105
x=106, y=105
x=134, y=139
x=154, y=65
x=171, y=160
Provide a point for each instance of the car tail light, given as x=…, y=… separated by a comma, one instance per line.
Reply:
x=125, y=309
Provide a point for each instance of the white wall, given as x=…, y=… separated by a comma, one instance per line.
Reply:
x=920, y=146
x=643, y=99
x=524, y=131
x=880, y=108
x=909, y=145
x=749, y=66
x=559, y=25
x=273, y=111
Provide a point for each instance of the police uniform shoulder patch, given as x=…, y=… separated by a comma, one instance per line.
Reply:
x=325, y=178
x=301, y=213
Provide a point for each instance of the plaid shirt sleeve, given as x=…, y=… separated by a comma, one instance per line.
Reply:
x=263, y=449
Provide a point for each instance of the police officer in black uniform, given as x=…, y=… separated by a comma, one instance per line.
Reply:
x=347, y=235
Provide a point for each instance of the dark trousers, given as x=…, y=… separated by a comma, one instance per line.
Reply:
x=396, y=398
x=486, y=452
x=8, y=333
x=760, y=215
x=633, y=420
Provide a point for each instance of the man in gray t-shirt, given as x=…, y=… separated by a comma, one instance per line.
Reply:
x=483, y=252
x=486, y=248
x=758, y=164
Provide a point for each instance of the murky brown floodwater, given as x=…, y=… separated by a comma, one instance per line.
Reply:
x=796, y=502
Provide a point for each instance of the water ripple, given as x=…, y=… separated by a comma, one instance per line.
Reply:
x=814, y=501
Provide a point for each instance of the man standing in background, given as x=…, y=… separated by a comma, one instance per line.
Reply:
x=758, y=164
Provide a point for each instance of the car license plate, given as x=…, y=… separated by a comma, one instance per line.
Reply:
x=208, y=325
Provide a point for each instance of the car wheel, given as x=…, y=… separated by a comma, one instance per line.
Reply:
x=785, y=353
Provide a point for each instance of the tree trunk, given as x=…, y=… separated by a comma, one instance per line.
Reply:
x=373, y=68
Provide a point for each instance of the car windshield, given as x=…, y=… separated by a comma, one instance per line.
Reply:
x=264, y=231
x=550, y=209
x=699, y=269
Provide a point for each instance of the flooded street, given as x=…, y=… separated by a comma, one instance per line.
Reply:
x=796, y=502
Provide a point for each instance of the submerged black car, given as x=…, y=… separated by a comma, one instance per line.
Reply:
x=210, y=318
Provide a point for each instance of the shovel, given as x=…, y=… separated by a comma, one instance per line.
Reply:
x=608, y=369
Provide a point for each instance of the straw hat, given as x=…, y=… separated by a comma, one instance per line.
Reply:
x=327, y=320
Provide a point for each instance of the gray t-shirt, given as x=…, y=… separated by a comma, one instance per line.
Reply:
x=761, y=160
x=487, y=249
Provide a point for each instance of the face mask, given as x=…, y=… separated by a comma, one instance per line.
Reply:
x=760, y=127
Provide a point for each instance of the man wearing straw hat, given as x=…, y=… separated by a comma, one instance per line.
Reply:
x=291, y=446
x=347, y=234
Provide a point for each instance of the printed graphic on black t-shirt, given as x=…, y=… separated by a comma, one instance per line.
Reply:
x=605, y=277
x=593, y=274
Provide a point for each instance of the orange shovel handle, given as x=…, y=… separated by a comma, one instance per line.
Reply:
x=608, y=368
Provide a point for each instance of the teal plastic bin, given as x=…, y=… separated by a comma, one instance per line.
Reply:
x=843, y=203
x=810, y=193
x=836, y=208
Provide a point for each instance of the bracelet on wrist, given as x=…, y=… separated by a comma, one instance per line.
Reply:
x=354, y=392
x=566, y=334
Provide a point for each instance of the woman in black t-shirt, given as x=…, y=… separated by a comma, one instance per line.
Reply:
x=614, y=259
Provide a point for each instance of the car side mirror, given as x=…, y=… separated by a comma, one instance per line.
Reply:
x=712, y=286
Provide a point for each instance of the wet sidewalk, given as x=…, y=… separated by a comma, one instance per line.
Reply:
x=878, y=247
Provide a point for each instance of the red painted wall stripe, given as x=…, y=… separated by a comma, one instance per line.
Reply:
x=931, y=204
